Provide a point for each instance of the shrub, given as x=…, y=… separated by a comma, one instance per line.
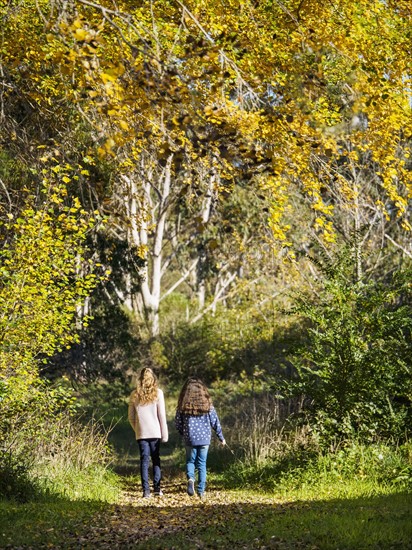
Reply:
x=355, y=365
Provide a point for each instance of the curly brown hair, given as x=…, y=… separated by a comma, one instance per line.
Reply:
x=194, y=398
x=146, y=387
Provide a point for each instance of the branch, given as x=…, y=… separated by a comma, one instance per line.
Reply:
x=409, y=254
x=7, y=193
x=222, y=54
x=181, y=280
x=218, y=297
x=175, y=252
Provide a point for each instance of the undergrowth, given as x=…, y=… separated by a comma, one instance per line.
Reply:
x=370, y=466
x=48, y=450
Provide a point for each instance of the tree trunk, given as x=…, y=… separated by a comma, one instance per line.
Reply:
x=147, y=209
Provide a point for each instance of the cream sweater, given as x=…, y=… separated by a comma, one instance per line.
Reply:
x=149, y=421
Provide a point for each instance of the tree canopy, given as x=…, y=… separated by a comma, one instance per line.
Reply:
x=220, y=142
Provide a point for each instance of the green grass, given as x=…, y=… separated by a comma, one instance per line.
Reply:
x=67, y=501
x=350, y=514
x=45, y=522
x=228, y=519
x=374, y=465
x=94, y=483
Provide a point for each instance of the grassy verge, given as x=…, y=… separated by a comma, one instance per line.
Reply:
x=45, y=523
x=94, y=483
x=354, y=514
x=66, y=503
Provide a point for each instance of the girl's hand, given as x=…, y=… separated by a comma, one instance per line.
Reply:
x=223, y=443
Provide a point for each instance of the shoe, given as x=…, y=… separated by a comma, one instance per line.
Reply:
x=191, y=487
x=158, y=493
x=202, y=496
x=146, y=494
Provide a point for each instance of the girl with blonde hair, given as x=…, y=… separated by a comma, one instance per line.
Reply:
x=147, y=416
x=194, y=420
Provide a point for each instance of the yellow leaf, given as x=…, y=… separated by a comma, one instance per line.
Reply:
x=80, y=34
x=106, y=77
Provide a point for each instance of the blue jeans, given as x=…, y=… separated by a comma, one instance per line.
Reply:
x=149, y=449
x=196, y=458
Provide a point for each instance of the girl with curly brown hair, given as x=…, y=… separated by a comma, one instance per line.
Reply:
x=195, y=417
x=147, y=416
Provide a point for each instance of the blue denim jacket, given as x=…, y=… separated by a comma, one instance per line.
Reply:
x=196, y=430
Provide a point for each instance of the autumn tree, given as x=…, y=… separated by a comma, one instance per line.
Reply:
x=162, y=149
x=180, y=100
x=45, y=278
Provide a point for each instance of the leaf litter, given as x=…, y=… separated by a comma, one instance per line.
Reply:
x=136, y=521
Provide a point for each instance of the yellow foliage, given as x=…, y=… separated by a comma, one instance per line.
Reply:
x=295, y=82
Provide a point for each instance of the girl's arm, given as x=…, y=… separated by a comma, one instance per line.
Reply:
x=215, y=423
x=179, y=422
x=132, y=412
x=161, y=415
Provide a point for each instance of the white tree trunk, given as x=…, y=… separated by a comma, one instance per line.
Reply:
x=147, y=209
x=205, y=214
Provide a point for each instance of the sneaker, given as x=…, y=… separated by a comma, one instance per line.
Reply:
x=191, y=487
x=202, y=496
x=146, y=494
x=158, y=493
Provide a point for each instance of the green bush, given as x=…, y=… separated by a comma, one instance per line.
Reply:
x=355, y=365
x=223, y=345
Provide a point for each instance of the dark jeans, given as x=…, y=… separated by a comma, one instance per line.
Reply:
x=149, y=449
